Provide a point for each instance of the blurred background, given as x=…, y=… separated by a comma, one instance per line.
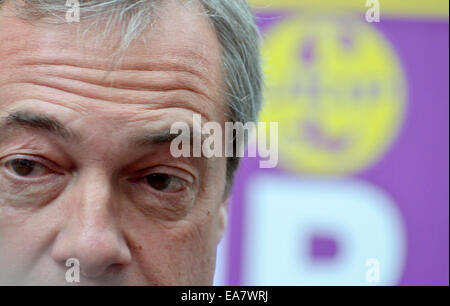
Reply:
x=361, y=192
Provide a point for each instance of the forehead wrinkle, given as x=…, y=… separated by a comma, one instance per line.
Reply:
x=196, y=66
x=86, y=105
x=169, y=97
x=123, y=79
x=102, y=77
x=187, y=77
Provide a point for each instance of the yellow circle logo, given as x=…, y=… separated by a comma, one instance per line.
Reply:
x=337, y=90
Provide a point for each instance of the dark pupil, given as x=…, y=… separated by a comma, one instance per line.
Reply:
x=23, y=167
x=159, y=181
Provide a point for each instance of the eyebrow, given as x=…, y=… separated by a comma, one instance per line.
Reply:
x=36, y=121
x=164, y=138
x=154, y=139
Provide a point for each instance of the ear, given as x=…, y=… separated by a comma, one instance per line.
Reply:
x=223, y=219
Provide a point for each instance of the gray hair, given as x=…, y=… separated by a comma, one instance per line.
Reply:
x=235, y=28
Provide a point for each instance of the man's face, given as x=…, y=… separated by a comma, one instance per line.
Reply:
x=85, y=167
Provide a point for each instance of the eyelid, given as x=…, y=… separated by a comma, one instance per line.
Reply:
x=168, y=170
x=36, y=159
x=36, y=143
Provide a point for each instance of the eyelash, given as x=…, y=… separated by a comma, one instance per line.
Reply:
x=144, y=180
x=51, y=169
x=35, y=161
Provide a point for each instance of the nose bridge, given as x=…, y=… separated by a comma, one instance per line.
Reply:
x=95, y=194
x=91, y=233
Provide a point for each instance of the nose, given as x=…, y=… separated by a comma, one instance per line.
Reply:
x=90, y=232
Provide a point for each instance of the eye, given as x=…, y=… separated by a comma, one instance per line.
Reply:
x=26, y=168
x=165, y=182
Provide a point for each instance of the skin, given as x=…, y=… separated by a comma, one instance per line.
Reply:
x=87, y=196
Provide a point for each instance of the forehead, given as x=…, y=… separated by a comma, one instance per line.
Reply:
x=179, y=39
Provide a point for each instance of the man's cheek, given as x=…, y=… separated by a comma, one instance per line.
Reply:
x=20, y=245
x=24, y=221
x=194, y=242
